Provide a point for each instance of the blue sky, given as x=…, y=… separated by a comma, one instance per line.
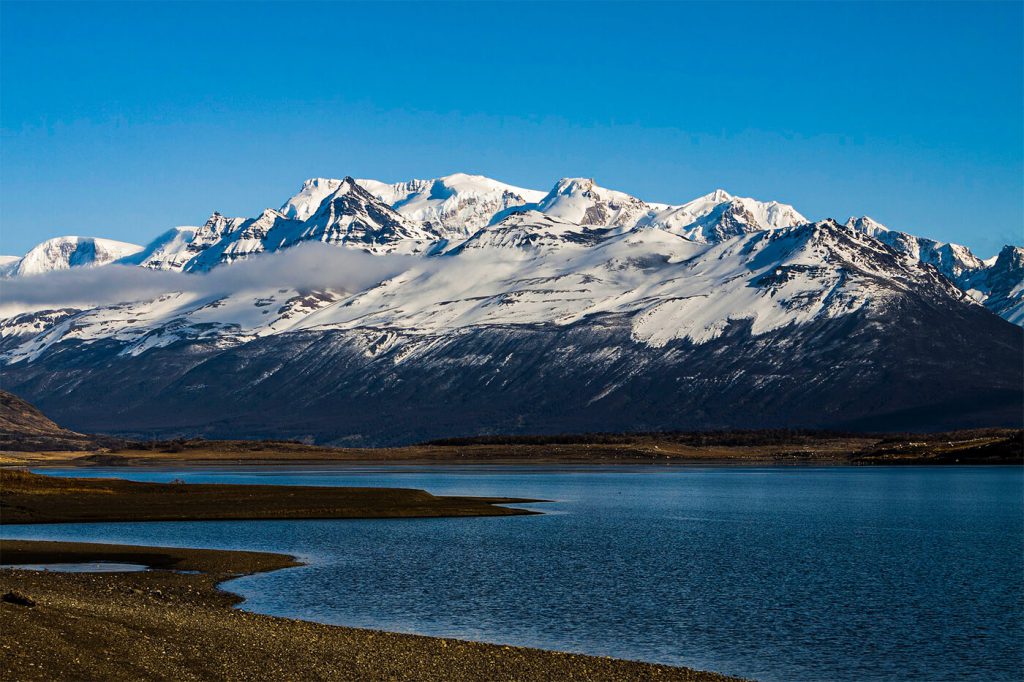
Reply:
x=122, y=120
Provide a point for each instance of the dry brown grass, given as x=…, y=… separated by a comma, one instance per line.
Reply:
x=33, y=498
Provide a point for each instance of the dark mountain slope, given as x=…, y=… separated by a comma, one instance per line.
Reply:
x=922, y=365
x=24, y=428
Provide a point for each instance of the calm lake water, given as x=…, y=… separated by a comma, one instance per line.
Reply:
x=770, y=573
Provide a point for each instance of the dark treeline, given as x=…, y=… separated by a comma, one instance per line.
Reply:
x=696, y=438
x=176, y=445
x=723, y=438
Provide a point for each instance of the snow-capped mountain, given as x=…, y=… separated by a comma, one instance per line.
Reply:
x=346, y=215
x=62, y=253
x=455, y=205
x=718, y=216
x=1000, y=284
x=222, y=241
x=581, y=201
x=446, y=215
x=169, y=251
x=308, y=200
x=514, y=310
x=351, y=216
x=954, y=261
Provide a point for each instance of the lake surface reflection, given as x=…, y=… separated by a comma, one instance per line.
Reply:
x=771, y=573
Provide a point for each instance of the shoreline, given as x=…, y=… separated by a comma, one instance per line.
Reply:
x=164, y=624
x=142, y=464
x=29, y=498
x=992, y=446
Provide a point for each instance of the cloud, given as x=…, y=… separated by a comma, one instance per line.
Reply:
x=306, y=266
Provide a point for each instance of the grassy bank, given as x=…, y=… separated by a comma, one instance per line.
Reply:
x=32, y=498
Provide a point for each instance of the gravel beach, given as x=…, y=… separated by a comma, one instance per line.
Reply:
x=166, y=625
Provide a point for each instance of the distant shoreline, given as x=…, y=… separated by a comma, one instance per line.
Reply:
x=980, y=446
x=29, y=438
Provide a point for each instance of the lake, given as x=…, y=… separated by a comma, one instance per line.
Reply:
x=774, y=573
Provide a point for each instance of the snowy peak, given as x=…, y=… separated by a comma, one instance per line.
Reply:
x=393, y=194
x=772, y=214
x=249, y=238
x=999, y=285
x=351, y=216
x=702, y=206
x=212, y=232
x=954, y=261
x=189, y=248
x=346, y=186
x=714, y=198
x=867, y=225
x=345, y=214
x=218, y=225
x=571, y=186
x=454, y=205
x=718, y=216
x=313, y=192
x=582, y=201
x=166, y=252
x=63, y=253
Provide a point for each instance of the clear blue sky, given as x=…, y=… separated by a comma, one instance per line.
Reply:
x=122, y=120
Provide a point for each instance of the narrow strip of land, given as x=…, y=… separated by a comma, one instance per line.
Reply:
x=167, y=625
x=31, y=498
x=979, y=446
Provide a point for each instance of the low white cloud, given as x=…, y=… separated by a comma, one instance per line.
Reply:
x=306, y=266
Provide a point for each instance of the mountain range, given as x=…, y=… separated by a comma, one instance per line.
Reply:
x=490, y=308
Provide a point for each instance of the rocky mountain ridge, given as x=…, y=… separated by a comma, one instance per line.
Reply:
x=457, y=212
